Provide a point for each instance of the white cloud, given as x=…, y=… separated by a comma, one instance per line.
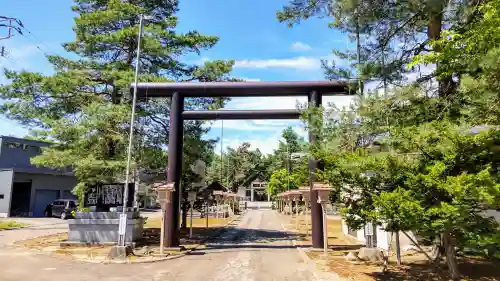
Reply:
x=283, y=102
x=266, y=143
x=249, y=79
x=17, y=56
x=302, y=63
x=300, y=47
x=201, y=61
x=264, y=134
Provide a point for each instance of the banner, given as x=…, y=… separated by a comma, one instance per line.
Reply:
x=106, y=196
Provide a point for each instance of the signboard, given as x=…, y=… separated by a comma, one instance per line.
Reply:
x=122, y=224
x=191, y=196
x=105, y=196
x=369, y=229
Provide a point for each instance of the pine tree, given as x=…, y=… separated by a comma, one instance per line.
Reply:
x=84, y=107
x=390, y=33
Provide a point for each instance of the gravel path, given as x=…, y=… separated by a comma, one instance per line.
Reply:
x=255, y=248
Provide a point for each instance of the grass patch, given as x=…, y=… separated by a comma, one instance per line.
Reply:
x=146, y=247
x=11, y=224
x=197, y=222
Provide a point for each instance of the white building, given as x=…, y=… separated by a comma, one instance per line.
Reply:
x=254, y=189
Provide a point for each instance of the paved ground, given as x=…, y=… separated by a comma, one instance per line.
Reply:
x=43, y=226
x=256, y=248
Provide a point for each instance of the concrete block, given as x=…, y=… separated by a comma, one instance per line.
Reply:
x=102, y=227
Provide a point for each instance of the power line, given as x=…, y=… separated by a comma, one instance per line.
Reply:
x=12, y=24
x=41, y=42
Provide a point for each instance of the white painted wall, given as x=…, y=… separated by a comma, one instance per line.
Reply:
x=493, y=213
x=383, y=237
x=6, y=179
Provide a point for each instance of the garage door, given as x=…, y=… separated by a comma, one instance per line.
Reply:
x=43, y=197
x=68, y=195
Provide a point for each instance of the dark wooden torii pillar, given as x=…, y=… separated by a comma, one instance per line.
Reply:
x=178, y=91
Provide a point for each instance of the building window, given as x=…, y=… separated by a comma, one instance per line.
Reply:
x=13, y=144
x=32, y=148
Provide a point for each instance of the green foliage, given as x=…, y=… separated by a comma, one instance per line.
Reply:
x=424, y=156
x=281, y=181
x=236, y=166
x=84, y=107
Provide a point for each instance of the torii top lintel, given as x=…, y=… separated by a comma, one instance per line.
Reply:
x=240, y=89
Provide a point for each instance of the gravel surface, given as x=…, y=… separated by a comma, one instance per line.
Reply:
x=253, y=248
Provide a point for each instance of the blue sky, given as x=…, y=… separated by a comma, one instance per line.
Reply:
x=263, y=48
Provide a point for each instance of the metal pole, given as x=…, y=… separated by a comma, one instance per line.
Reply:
x=191, y=223
x=314, y=99
x=121, y=237
x=221, y=149
x=287, y=169
x=206, y=218
x=296, y=214
x=217, y=209
x=325, y=229
x=306, y=218
x=162, y=231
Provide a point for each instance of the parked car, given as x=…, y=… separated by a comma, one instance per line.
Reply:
x=62, y=208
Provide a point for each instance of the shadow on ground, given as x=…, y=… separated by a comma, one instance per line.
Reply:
x=226, y=237
x=471, y=269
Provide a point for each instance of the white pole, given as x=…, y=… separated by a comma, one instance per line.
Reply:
x=162, y=231
x=325, y=230
x=206, y=219
x=121, y=237
x=305, y=217
x=297, y=214
x=191, y=222
x=217, y=209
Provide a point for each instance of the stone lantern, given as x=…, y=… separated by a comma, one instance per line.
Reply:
x=286, y=201
x=208, y=197
x=231, y=198
x=279, y=201
x=323, y=199
x=306, y=198
x=219, y=196
x=294, y=196
x=191, y=199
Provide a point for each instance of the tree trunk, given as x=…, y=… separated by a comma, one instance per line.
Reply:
x=451, y=255
x=398, y=249
x=446, y=84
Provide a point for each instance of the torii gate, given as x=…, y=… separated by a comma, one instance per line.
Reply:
x=314, y=90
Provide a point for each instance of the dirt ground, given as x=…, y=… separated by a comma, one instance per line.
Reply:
x=149, y=245
x=415, y=266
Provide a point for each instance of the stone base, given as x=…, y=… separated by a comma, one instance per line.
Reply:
x=119, y=252
x=85, y=244
x=102, y=227
x=175, y=249
x=316, y=249
x=370, y=254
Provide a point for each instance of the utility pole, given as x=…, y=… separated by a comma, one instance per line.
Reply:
x=12, y=25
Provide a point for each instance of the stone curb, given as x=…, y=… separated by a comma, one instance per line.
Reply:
x=187, y=252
